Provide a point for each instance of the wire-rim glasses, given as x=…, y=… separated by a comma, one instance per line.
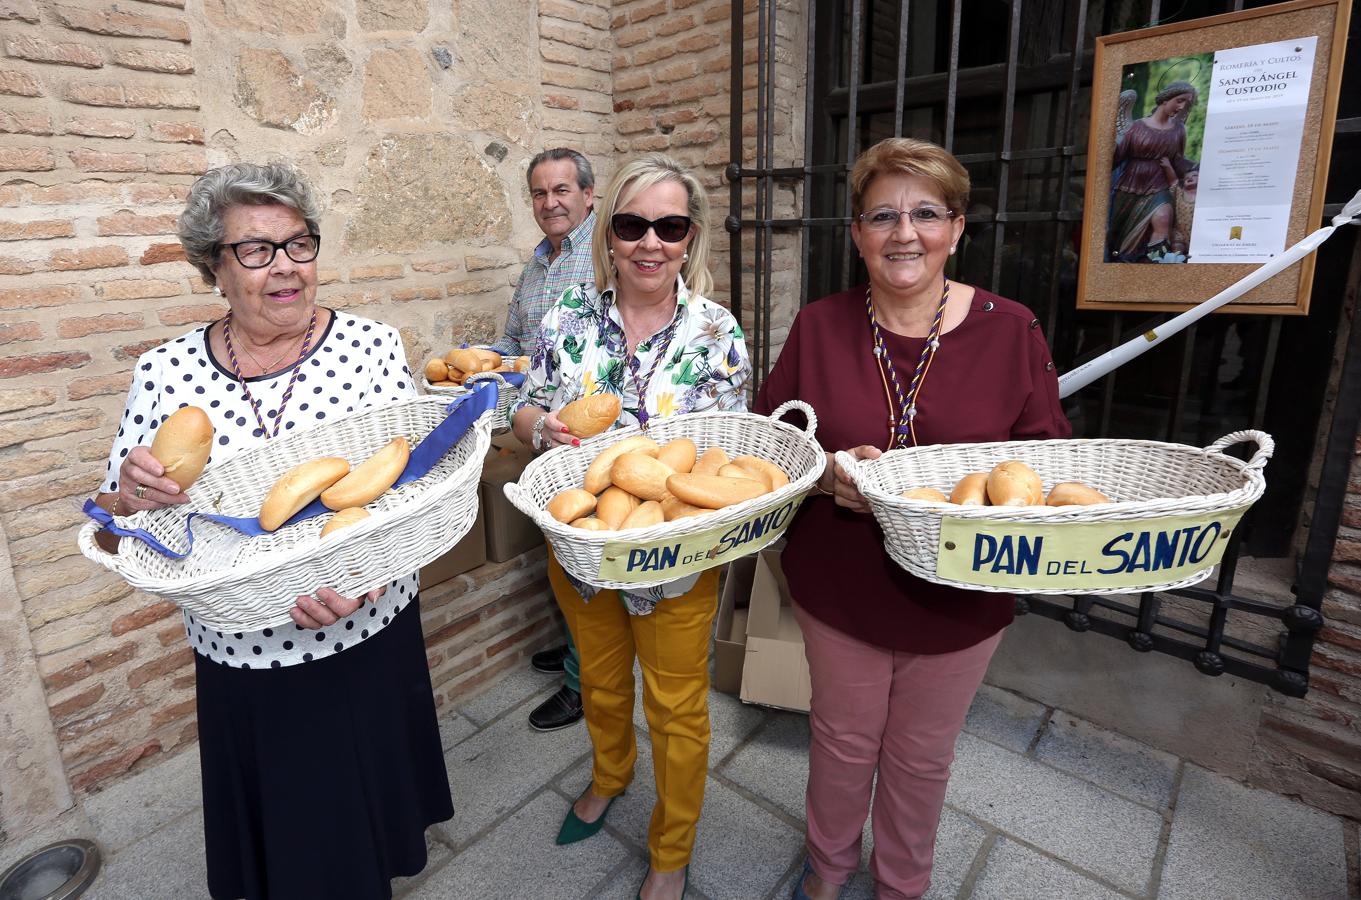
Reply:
x=256, y=254
x=923, y=218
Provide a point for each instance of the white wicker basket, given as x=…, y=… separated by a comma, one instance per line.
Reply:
x=588, y=554
x=506, y=394
x=1154, y=485
x=235, y=582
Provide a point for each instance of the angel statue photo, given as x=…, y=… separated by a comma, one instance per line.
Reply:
x=1159, y=127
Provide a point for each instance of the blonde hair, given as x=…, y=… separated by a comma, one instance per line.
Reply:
x=909, y=156
x=634, y=177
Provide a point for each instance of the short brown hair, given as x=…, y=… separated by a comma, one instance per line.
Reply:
x=909, y=156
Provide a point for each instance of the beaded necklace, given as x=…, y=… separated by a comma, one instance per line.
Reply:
x=245, y=389
x=902, y=419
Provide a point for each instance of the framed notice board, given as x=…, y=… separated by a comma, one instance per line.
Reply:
x=1208, y=156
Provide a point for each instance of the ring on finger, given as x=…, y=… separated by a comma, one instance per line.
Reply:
x=140, y=492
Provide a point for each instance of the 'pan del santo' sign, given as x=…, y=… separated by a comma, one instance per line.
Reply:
x=1029, y=556
x=655, y=561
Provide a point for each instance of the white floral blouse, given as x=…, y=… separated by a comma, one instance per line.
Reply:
x=695, y=363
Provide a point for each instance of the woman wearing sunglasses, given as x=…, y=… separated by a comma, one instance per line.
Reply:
x=651, y=337
x=895, y=661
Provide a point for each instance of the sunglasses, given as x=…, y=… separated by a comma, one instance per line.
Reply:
x=671, y=229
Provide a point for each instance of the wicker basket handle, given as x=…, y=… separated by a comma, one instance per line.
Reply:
x=812, y=427
x=85, y=539
x=850, y=464
x=519, y=499
x=1265, y=446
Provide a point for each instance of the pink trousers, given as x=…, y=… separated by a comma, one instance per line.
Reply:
x=891, y=712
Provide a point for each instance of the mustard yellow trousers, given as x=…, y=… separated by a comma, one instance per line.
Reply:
x=672, y=648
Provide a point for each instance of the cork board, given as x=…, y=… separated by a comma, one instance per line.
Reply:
x=1175, y=288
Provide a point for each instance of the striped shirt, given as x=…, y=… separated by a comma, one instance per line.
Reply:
x=543, y=282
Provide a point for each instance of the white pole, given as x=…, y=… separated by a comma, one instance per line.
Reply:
x=1090, y=371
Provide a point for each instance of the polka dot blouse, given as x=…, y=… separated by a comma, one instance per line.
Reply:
x=356, y=363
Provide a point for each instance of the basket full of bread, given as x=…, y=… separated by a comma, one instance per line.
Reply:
x=348, y=505
x=633, y=508
x=1061, y=516
x=454, y=373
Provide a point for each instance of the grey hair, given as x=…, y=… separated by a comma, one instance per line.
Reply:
x=585, y=177
x=202, y=224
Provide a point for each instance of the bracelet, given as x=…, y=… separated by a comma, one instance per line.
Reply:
x=536, y=434
x=117, y=498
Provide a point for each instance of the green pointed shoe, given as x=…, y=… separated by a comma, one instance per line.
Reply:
x=574, y=829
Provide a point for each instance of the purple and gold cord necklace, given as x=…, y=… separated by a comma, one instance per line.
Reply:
x=292, y=379
x=902, y=419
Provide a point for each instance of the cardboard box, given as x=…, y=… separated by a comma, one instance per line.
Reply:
x=467, y=554
x=774, y=670
x=730, y=625
x=509, y=531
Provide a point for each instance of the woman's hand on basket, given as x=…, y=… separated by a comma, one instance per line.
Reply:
x=142, y=470
x=846, y=493
x=328, y=607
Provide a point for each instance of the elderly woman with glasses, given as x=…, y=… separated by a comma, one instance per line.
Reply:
x=911, y=358
x=650, y=336
x=320, y=751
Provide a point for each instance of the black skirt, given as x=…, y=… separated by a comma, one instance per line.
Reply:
x=320, y=779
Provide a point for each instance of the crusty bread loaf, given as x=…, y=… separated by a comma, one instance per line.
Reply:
x=674, y=508
x=371, y=478
x=774, y=477
x=1075, y=493
x=590, y=523
x=598, y=473
x=1013, y=483
x=436, y=370
x=571, y=504
x=183, y=443
x=645, y=516
x=614, y=506
x=463, y=359
x=679, y=454
x=298, y=487
x=711, y=461
x=521, y=364
x=641, y=475
x=732, y=470
x=713, y=491
x=589, y=416
x=971, y=490
x=344, y=519
x=924, y=493
x=490, y=360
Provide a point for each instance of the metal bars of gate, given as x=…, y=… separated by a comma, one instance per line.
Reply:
x=1140, y=621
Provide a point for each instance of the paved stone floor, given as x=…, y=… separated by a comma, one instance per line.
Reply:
x=1041, y=805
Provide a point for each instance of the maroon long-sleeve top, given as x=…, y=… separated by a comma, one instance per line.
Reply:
x=991, y=380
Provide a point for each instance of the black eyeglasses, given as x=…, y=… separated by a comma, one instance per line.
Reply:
x=258, y=254
x=671, y=229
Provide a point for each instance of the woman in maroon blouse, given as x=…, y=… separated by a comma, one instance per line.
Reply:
x=911, y=358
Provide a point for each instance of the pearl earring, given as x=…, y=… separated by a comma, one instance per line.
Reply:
x=611, y=251
x=217, y=289
x=685, y=257
x=952, y=251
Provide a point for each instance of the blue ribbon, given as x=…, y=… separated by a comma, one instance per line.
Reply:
x=462, y=413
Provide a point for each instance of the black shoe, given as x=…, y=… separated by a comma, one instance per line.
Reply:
x=558, y=711
x=549, y=661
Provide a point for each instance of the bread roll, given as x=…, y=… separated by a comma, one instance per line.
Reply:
x=598, y=474
x=645, y=516
x=924, y=493
x=674, y=508
x=679, y=454
x=774, y=477
x=641, y=475
x=182, y=445
x=456, y=375
x=465, y=360
x=590, y=523
x=732, y=470
x=521, y=364
x=298, y=487
x=1075, y=493
x=436, y=370
x=570, y=505
x=713, y=491
x=713, y=459
x=614, y=506
x=971, y=490
x=344, y=519
x=1013, y=483
x=371, y=478
x=591, y=415
x=490, y=359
